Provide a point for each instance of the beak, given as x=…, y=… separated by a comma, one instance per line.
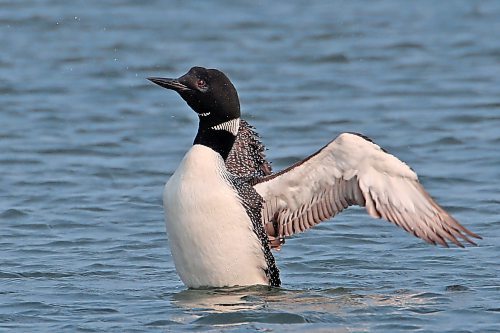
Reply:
x=172, y=84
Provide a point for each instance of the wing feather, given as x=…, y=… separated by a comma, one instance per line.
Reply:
x=352, y=170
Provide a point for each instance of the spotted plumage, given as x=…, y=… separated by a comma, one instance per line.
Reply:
x=253, y=204
x=247, y=156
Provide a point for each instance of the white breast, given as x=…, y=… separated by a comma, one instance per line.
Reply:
x=210, y=234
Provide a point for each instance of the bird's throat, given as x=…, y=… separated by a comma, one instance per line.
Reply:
x=221, y=141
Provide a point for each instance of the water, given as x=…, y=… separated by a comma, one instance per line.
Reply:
x=86, y=144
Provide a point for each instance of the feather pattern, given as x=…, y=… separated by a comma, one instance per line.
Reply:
x=230, y=126
x=247, y=157
x=352, y=170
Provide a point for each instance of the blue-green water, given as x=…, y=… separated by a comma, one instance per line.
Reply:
x=86, y=144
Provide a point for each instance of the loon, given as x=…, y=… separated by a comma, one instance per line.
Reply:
x=225, y=209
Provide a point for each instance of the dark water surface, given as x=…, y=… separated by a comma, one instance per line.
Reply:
x=86, y=144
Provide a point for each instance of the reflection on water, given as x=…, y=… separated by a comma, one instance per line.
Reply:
x=223, y=299
x=261, y=304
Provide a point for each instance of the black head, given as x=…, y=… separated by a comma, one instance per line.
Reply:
x=208, y=92
x=213, y=97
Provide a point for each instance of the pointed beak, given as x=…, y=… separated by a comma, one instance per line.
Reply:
x=172, y=84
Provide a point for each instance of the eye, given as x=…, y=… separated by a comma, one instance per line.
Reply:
x=201, y=83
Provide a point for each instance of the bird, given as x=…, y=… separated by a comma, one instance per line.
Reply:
x=226, y=210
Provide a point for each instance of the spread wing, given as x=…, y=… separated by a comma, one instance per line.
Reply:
x=247, y=157
x=352, y=170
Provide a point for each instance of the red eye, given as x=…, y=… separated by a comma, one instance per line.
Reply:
x=200, y=83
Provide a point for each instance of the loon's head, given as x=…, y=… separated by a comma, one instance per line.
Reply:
x=208, y=92
x=213, y=97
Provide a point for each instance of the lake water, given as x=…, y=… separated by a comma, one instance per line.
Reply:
x=87, y=143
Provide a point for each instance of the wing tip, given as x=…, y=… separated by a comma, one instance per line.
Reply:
x=444, y=242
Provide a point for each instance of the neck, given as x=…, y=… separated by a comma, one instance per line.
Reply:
x=219, y=137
